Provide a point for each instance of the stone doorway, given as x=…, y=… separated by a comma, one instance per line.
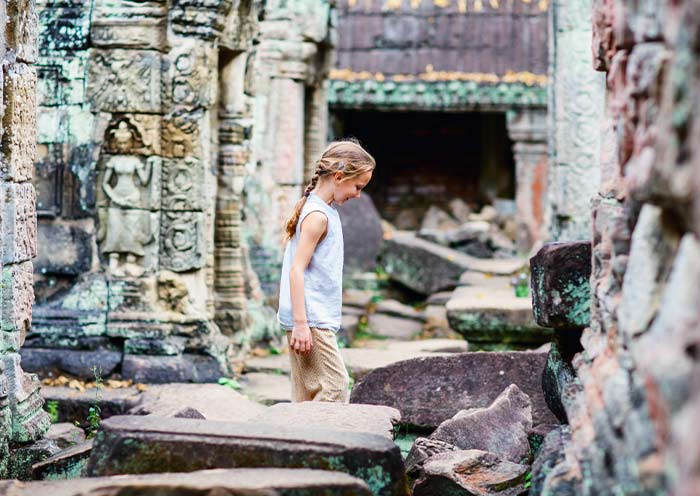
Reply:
x=431, y=158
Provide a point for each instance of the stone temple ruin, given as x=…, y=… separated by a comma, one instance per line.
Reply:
x=151, y=151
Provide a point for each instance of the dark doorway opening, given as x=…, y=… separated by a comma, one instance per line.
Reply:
x=430, y=158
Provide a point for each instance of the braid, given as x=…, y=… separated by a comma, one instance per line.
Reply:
x=312, y=184
x=347, y=157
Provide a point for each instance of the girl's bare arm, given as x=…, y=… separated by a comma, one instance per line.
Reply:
x=312, y=230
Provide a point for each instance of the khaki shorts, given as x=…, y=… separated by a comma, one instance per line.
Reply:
x=319, y=375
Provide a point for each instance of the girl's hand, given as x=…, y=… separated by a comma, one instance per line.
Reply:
x=301, y=341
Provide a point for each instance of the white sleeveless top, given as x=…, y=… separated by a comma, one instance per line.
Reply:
x=323, y=278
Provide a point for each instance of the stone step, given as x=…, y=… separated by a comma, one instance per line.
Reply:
x=148, y=444
x=371, y=419
x=488, y=317
x=75, y=405
x=268, y=388
x=429, y=390
x=212, y=401
x=291, y=482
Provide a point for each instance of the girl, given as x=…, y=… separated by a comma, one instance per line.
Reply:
x=312, y=274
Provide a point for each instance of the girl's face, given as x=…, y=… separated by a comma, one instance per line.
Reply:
x=347, y=189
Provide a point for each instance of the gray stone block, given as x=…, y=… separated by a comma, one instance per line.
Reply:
x=561, y=289
x=429, y=390
x=133, y=445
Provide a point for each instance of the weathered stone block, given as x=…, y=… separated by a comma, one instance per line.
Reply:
x=559, y=383
x=182, y=241
x=29, y=421
x=169, y=345
x=428, y=268
x=189, y=81
x=79, y=363
x=494, y=317
x=183, y=184
x=125, y=81
x=64, y=26
x=22, y=29
x=183, y=368
x=212, y=401
x=69, y=463
x=23, y=457
x=291, y=482
x=19, y=122
x=651, y=254
x=127, y=25
x=502, y=429
x=71, y=249
x=18, y=222
x=441, y=386
x=470, y=472
x=74, y=405
x=561, y=290
x=362, y=234
x=373, y=419
x=152, y=444
x=17, y=299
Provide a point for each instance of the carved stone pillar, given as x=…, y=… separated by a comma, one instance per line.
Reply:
x=528, y=130
x=22, y=419
x=576, y=100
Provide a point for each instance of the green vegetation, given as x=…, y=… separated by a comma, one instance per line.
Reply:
x=229, y=382
x=95, y=411
x=52, y=409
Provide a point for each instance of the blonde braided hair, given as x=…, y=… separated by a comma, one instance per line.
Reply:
x=345, y=156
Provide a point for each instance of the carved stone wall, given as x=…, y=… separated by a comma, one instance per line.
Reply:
x=144, y=138
x=22, y=419
x=575, y=110
x=634, y=407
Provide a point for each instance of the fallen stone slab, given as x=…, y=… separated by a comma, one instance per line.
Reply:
x=74, y=405
x=69, y=463
x=471, y=472
x=362, y=361
x=502, y=428
x=65, y=434
x=561, y=290
x=429, y=390
x=232, y=482
x=372, y=419
x=135, y=445
x=484, y=280
x=24, y=456
x=392, y=326
x=488, y=317
x=265, y=388
x=428, y=267
x=212, y=401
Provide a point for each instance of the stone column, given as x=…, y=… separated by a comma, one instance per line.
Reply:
x=315, y=126
x=576, y=94
x=22, y=419
x=230, y=294
x=528, y=130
